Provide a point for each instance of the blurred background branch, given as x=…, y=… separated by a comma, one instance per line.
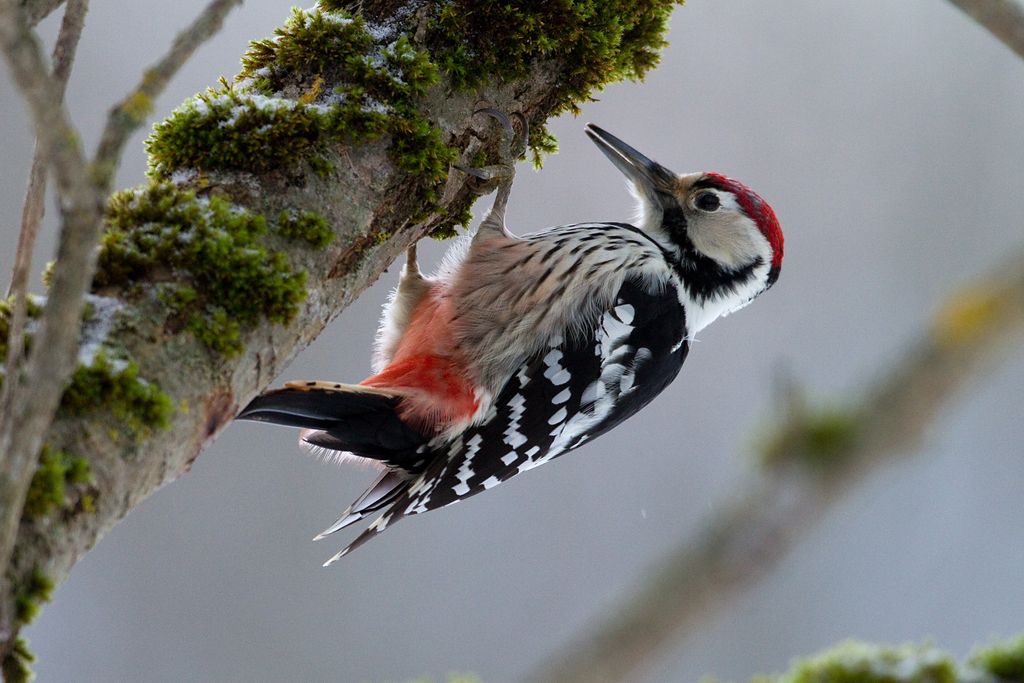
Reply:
x=814, y=458
x=1004, y=19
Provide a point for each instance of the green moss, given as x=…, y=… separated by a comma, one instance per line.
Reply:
x=307, y=226
x=35, y=591
x=47, y=275
x=542, y=142
x=56, y=471
x=321, y=166
x=1004, y=660
x=312, y=42
x=252, y=127
x=594, y=42
x=230, y=130
x=221, y=277
x=46, y=492
x=856, y=662
x=819, y=439
x=459, y=214
x=115, y=387
x=16, y=666
x=138, y=107
x=326, y=79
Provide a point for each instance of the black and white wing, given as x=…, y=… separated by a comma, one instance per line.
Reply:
x=572, y=392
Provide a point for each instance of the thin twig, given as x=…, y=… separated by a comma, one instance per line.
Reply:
x=132, y=111
x=50, y=365
x=32, y=210
x=1004, y=19
x=37, y=10
x=82, y=189
x=748, y=538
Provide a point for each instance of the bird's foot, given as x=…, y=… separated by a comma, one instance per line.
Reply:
x=511, y=147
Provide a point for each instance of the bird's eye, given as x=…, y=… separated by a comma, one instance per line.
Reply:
x=707, y=201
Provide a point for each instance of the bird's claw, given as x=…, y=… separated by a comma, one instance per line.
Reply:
x=510, y=148
x=513, y=146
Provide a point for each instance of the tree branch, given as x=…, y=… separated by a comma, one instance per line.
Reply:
x=815, y=460
x=1004, y=19
x=33, y=208
x=335, y=126
x=37, y=10
x=47, y=369
x=34, y=397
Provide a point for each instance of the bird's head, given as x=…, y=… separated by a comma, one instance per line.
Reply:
x=727, y=239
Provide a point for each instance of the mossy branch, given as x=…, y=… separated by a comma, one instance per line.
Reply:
x=275, y=200
x=859, y=662
x=813, y=459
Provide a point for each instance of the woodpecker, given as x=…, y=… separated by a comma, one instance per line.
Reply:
x=521, y=349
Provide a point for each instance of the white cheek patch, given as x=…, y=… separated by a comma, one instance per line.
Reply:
x=728, y=201
x=729, y=237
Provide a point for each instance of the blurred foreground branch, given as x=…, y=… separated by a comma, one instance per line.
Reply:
x=1004, y=19
x=857, y=661
x=815, y=458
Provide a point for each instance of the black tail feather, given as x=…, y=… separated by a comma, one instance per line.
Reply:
x=350, y=418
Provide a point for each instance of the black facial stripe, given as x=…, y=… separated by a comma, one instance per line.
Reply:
x=673, y=220
x=705, y=278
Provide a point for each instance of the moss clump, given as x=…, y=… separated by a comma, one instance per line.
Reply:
x=327, y=78
x=29, y=598
x=1004, y=660
x=229, y=130
x=307, y=226
x=856, y=662
x=56, y=471
x=818, y=439
x=163, y=233
x=321, y=166
x=594, y=42
x=115, y=387
x=16, y=666
x=253, y=127
x=459, y=214
x=35, y=591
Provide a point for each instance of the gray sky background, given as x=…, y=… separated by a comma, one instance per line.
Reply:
x=888, y=137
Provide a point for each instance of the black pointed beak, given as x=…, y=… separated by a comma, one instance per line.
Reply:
x=634, y=165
